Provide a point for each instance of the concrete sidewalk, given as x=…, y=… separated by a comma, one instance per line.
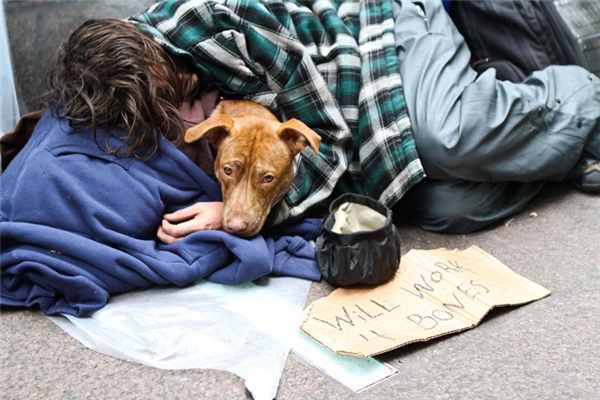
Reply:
x=548, y=349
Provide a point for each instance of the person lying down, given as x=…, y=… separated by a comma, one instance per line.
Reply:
x=105, y=197
x=83, y=201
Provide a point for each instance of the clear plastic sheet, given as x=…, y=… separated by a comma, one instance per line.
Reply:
x=247, y=329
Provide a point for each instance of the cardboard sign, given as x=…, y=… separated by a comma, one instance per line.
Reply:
x=434, y=293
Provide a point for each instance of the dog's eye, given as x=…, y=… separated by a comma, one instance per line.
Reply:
x=268, y=178
x=227, y=171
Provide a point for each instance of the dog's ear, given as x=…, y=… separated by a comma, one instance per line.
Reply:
x=213, y=129
x=297, y=135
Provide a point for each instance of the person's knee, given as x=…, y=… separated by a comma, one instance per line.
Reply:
x=571, y=88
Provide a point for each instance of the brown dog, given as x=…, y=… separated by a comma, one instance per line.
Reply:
x=255, y=160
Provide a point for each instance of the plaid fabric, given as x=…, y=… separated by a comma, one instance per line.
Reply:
x=331, y=64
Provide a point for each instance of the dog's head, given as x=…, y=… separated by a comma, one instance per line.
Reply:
x=254, y=162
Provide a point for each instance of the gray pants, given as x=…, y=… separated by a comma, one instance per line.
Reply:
x=486, y=145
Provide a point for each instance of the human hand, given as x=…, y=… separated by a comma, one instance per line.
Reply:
x=197, y=217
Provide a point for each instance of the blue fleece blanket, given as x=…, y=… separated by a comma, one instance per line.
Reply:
x=78, y=225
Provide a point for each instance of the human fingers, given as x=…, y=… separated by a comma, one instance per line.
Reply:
x=184, y=214
x=165, y=237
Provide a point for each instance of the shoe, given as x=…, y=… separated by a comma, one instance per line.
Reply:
x=589, y=179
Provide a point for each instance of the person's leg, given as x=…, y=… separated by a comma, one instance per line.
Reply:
x=476, y=128
x=459, y=207
x=474, y=134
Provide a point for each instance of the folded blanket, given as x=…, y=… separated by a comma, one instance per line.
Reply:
x=331, y=64
x=78, y=225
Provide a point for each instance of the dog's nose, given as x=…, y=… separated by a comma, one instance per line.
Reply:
x=237, y=226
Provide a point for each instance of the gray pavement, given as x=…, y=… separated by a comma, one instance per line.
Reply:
x=548, y=349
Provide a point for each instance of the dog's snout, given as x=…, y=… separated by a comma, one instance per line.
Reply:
x=237, y=226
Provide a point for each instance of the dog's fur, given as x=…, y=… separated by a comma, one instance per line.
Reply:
x=255, y=160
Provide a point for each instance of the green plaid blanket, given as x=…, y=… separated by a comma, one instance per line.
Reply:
x=331, y=64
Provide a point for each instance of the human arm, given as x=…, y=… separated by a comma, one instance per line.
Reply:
x=201, y=215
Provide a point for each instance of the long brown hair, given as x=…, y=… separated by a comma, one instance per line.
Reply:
x=110, y=74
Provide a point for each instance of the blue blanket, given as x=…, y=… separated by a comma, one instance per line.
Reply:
x=78, y=224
